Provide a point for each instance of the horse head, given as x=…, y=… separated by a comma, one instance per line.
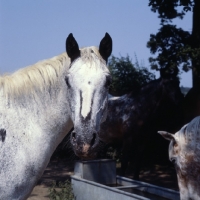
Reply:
x=184, y=152
x=165, y=99
x=168, y=111
x=87, y=81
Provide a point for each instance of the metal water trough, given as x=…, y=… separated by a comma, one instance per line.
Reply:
x=97, y=180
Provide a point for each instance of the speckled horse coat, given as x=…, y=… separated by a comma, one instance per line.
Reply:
x=184, y=152
x=41, y=103
x=134, y=120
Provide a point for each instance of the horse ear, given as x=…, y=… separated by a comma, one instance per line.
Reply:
x=72, y=47
x=166, y=135
x=105, y=47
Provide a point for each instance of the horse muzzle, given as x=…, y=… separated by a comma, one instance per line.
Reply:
x=85, y=146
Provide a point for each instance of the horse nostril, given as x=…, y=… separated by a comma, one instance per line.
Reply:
x=94, y=136
x=73, y=136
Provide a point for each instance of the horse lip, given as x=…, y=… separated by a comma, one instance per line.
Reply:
x=86, y=156
x=85, y=152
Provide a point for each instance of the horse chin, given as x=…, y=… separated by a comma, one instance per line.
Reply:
x=89, y=157
x=86, y=155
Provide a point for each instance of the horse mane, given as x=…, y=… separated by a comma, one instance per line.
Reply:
x=39, y=75
x=153, y=84
x=152, y=93
x=42, y=74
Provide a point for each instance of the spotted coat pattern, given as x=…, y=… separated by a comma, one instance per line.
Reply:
x=132, y=120
x=184, y=152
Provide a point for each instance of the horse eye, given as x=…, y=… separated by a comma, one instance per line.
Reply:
x=67, y=81
x=108, y=81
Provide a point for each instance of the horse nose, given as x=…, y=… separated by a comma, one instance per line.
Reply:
x=92, y=140
x=84, y=145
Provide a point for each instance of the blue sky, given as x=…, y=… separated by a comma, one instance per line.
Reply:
x=36, y=30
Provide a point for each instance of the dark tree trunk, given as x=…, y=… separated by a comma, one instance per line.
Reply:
x=196, y=43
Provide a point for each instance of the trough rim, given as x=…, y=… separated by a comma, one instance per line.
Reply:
x=146, y=184
x=108, y=188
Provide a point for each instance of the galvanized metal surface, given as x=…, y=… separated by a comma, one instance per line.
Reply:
x=88, y=175
x=89, y=190
x=100, y=171
x=149, y=188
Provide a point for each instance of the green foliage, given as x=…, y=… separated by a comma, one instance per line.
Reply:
x=114, y=153
x=61, y=192
x=173, y=46
x=170, y=9
x=126, y=76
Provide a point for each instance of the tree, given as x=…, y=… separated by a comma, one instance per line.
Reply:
x=176, y=47
x=127, y=77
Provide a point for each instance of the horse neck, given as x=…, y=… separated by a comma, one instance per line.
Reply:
x=148, y=102
x=44, y=105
